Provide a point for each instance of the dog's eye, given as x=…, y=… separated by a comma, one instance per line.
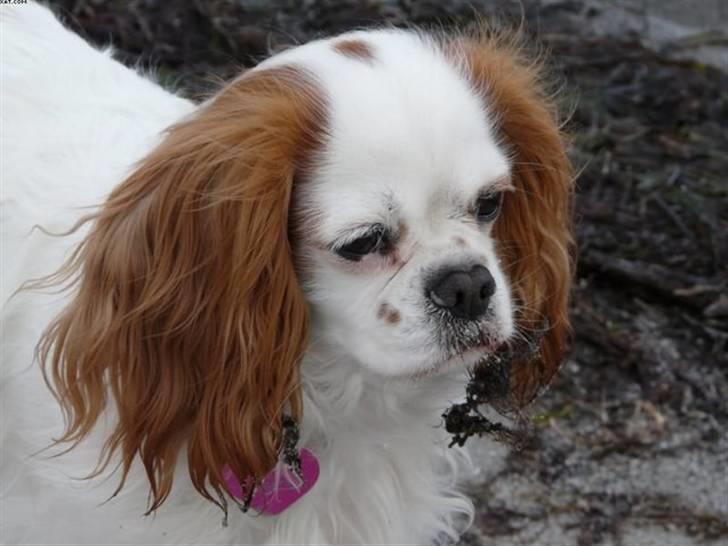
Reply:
x=487, y=207
x=358, y=248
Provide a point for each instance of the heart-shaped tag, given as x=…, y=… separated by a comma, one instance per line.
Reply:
x=280, y=488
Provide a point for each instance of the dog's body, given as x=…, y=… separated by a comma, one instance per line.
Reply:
x=75, y=124
x=49, y=174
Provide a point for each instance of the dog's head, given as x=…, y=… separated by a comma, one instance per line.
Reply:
x=404, y=196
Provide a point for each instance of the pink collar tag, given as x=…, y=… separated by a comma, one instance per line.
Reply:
x=280, y=488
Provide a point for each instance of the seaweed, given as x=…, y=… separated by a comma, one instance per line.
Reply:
x=489, y=385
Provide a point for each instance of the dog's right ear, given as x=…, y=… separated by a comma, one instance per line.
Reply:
x=187, y=309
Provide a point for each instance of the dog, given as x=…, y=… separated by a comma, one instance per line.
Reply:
x=281, y=287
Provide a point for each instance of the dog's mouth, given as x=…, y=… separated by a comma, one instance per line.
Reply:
x=472, y=354
x=474, y=348
x=464, y=356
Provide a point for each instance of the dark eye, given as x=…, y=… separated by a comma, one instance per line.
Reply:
x=487, y=207
x=358, y=248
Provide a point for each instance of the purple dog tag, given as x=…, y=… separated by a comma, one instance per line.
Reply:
x=280, y=488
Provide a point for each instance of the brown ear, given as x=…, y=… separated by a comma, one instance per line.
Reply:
x=188, y=309
x=534, y=230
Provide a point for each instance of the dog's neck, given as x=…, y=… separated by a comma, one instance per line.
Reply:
x=341, y=395
x=368, y=430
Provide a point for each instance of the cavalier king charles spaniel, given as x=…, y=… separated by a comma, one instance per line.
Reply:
x=267, y=300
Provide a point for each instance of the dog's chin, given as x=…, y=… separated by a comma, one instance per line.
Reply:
x=458, y=362
x=437, y=361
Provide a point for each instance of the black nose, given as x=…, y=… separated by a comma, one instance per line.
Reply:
x=465, y=293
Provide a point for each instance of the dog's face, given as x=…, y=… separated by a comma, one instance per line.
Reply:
x=403, y=198
x=399, y=262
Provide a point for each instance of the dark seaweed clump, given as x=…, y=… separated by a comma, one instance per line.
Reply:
x=489, y=385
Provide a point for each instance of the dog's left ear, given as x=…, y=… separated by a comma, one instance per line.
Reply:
x=188, y=311
x=534, y=230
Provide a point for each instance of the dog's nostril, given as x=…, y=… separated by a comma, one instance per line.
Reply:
x=486, y=283
x=464, y=293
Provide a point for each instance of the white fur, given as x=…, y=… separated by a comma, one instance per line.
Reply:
x=405, y=129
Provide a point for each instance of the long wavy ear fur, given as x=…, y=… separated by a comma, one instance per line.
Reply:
x=187, y=309
x=534, y=229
